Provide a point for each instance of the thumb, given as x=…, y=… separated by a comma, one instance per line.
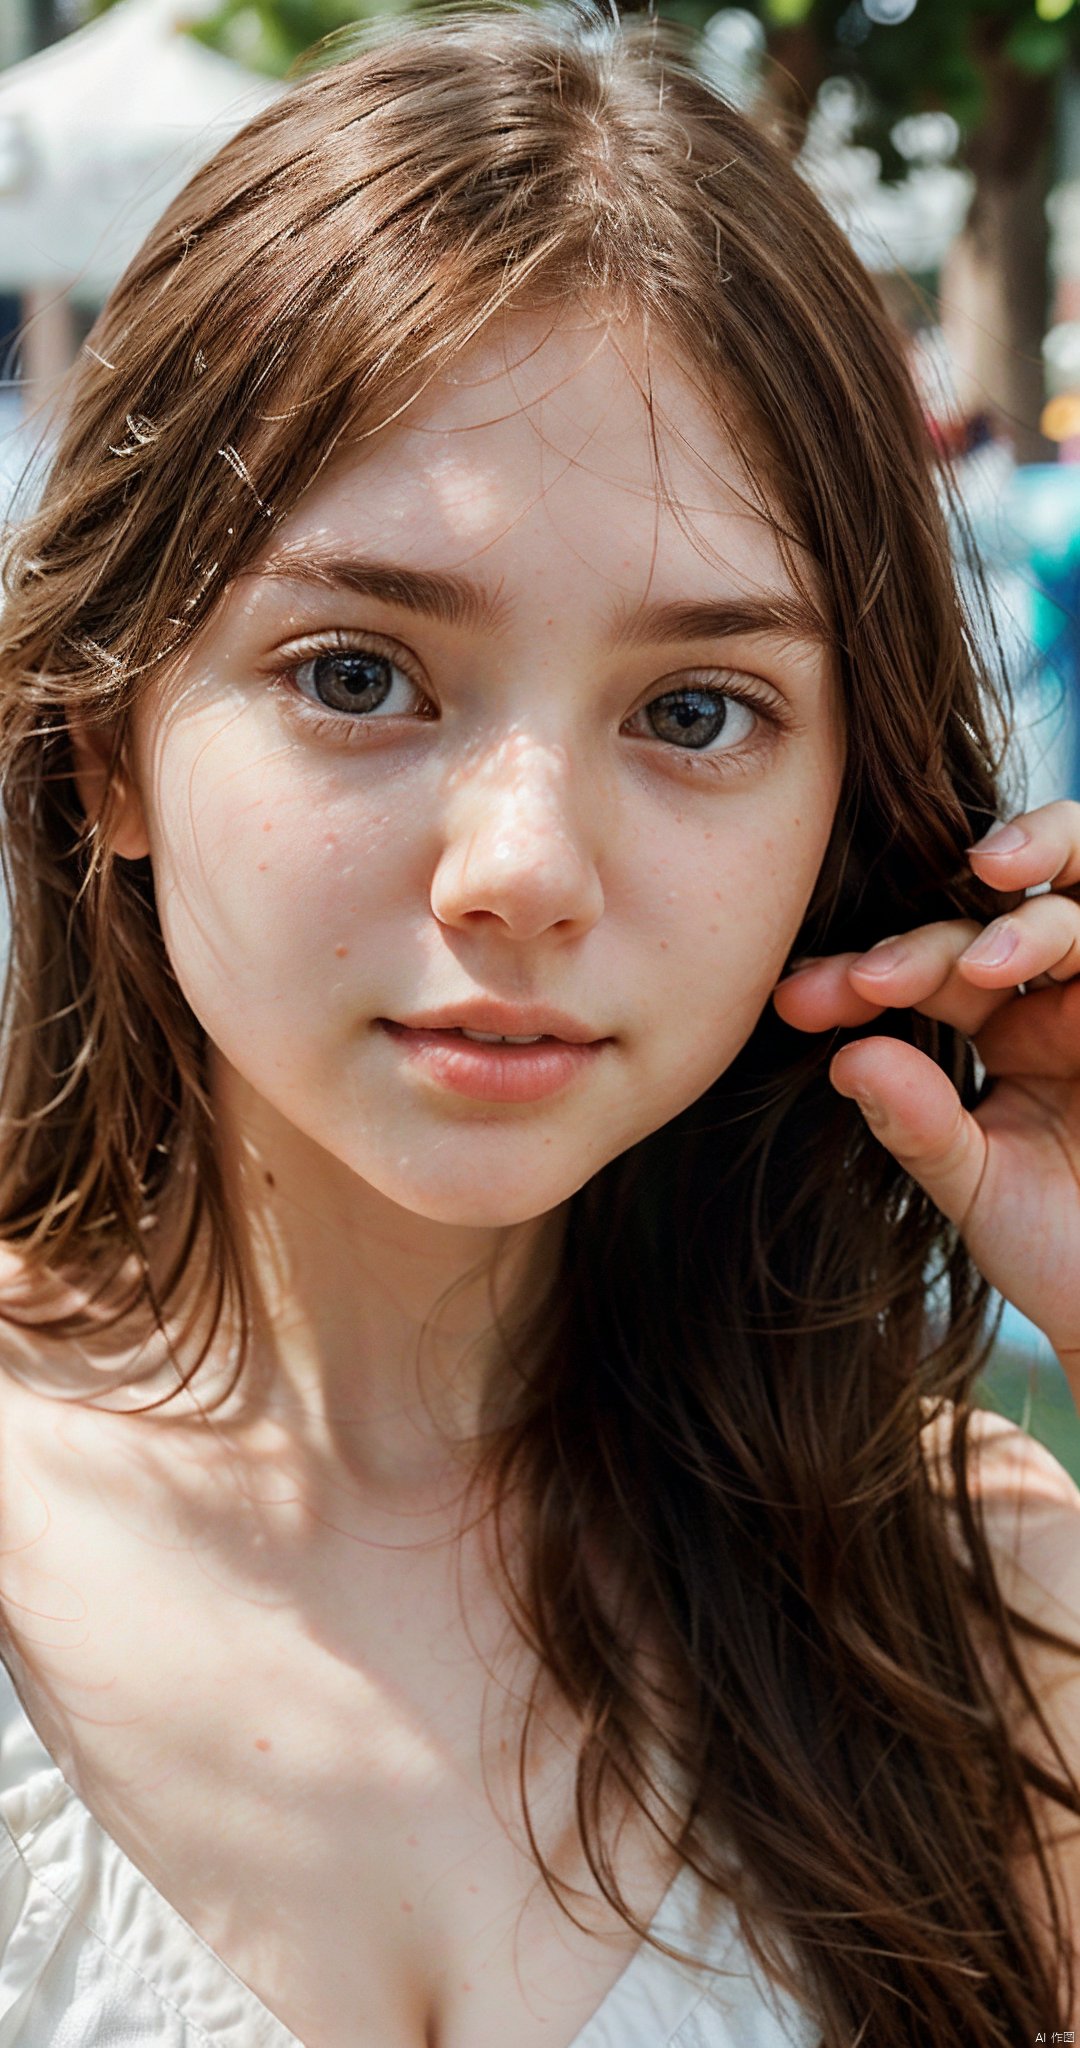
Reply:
x=915, y=1112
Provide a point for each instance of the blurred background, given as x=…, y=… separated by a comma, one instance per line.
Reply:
x=944, y=135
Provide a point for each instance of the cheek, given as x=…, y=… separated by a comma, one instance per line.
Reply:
x=270, y=876
x=727, y=912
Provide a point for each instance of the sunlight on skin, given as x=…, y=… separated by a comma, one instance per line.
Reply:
x=520, y=844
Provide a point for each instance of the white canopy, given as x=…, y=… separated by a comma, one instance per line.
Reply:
x=98, y=132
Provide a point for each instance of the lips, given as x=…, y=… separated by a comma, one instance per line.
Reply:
x=502, y=1020
x=494, y=1073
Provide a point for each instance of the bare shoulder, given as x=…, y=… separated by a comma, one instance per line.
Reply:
x=1030, y=1510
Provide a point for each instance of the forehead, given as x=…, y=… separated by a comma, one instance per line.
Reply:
x=568, y=443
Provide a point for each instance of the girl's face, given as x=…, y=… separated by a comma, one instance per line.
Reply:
x=491, y=736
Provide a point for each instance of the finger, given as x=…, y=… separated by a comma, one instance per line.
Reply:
x=920, y=970
x=819, y=997
x=955, y=970
x=1038, y=1035
x=1039, y=937
x=960, y=974
x=1041, y=846
x=915, y=1112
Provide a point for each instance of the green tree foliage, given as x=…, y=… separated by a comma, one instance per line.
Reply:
x=947, y=54
x=269, y=35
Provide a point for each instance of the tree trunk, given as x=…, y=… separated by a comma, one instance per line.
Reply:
x=994, y=284
x=793, y=72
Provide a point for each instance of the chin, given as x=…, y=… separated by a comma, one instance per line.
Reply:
x=483, y=1200
x=478, y=1208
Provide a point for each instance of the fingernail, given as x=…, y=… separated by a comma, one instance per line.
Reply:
x=1001, y=839
x=882, y=958
x=995, y=945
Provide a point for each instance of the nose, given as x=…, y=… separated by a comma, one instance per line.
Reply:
x=514, y=853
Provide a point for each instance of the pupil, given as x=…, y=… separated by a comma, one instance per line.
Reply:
x=352, y=681
x=691, y=718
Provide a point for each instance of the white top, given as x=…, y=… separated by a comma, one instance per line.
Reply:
x=92, y=1956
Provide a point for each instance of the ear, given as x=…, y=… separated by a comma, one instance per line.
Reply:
x=106, y=789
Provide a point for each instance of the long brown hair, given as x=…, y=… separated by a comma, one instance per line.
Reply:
x=727, y=1380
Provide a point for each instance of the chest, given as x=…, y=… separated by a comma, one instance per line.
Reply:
x=316, y=1766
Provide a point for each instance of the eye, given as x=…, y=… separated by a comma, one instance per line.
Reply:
x=355, y=679
x=694, y=717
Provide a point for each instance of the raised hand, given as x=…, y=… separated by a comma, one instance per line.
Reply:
x=1008, y=1173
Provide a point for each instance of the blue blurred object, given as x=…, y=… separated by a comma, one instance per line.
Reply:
x=1030, y=538
x=1044, y=505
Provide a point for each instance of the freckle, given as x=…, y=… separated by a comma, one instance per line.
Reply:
x=267, y=826
x=465, y=1984
x=708, y=836
x=474, y=1889
x=263, y=865
x=663, y=945
x=413, y=1841
x=504, y=1745
x=406, y=1905
x=714, y=927
x=341, y=951
x=270, y=1181
x=263, y=1742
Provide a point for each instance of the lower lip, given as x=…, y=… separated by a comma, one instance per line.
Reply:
x=494, y=1073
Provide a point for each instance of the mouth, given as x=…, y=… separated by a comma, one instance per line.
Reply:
x=486, y=1023
x=493, y=1066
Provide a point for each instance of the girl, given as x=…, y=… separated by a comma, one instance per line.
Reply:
x=495, y=1544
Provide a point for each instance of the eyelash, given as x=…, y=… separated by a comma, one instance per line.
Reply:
x=340, y=727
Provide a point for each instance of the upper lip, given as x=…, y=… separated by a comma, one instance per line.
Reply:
x=505, y=1018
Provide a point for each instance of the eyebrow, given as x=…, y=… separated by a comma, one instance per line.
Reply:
x=767, y=611
x=442, y=594
x=458, y=600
